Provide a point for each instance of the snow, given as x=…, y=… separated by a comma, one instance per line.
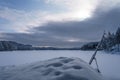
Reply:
x=108, y=63
x=61, y=68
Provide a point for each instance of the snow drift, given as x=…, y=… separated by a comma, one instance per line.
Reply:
x=61, y=68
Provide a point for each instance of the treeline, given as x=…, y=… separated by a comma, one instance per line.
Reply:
x=111, y=41
x=10, y=46
x=89, y=46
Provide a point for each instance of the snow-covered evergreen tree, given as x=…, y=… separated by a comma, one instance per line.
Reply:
x=108, y=41
x=104, y=46
x=117, y=36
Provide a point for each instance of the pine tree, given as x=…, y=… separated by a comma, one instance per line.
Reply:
x=104, y=46
x=118, y=37
x=108, y=41
x=111, y=39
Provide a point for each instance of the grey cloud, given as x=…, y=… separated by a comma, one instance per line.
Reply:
x=57, y=33
x=39, y=40
x=90, y=29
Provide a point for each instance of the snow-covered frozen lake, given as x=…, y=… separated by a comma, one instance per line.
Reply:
x=108, y=64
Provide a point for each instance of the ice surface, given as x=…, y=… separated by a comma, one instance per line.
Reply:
x=61, y=68
x=108, y=63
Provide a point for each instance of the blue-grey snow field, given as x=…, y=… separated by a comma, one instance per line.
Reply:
x=20, y=62
x=61, y=68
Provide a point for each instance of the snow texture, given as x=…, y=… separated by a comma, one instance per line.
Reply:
x=61, y=68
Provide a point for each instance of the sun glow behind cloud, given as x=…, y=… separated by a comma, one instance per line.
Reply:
x=79, y=9
x=22, y=21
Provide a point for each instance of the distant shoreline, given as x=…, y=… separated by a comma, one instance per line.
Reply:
x=14, y=46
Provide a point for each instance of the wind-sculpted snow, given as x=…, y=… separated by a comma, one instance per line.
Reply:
x=61, y=68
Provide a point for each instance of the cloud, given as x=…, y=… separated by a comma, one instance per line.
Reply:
x=40, y=40
x=63, y=28
x=76, y=4
x=23, y=21
x=70, y=33
x=20, y=21
x=79, y=8
x=87, y=30
x=106, y=5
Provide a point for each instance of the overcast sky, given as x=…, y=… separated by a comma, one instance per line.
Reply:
x=64, y=23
